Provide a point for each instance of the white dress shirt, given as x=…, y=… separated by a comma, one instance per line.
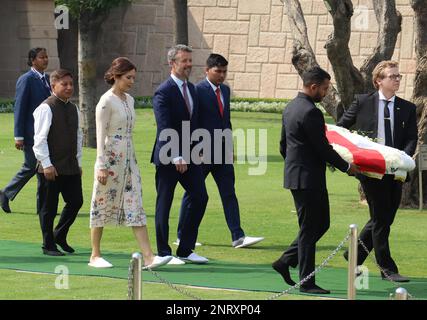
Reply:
x=43, y=78
x=179, y=83
x=381, y=130
x=214, y=87
x=41, y=75
x=42, y=122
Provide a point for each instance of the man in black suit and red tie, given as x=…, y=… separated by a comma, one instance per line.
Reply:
x=391, y=121
x=306, y=151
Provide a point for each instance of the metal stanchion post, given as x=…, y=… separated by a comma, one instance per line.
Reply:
x=137, y=276
x=352, y=263
x=401, y=294
x=420, y=183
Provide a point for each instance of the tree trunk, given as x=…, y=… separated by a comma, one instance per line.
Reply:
x=389, y=21
x=349, y=80
x=89, y=27
x=181, y=22
x=410, y=197
x=303, y=55
x=68, y=49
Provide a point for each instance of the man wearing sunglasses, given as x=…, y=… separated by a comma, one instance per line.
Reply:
x=391, y=121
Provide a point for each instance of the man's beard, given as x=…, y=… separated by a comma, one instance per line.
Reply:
x=187, y=72
x=317, y=98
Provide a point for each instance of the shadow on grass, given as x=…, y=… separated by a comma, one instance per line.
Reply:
x=275, y=158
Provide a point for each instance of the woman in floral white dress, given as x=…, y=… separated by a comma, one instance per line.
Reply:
x=117, y=190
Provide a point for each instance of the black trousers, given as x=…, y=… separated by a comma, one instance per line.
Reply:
x=224, y=177
x=194, y=184
x=313, y=219
x=27, y=171
x=70, y=187
x=383, y=197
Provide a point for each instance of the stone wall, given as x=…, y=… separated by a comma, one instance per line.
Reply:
x=24, y=24
x=253, y=35
x=142, y=32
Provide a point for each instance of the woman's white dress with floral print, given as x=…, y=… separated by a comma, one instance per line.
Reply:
x=119, y=202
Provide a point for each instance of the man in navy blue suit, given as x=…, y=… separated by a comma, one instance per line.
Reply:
x=32, y=89
x=214, y=110
x=176, y=110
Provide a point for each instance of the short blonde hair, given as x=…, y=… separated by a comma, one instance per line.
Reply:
x=378, y=72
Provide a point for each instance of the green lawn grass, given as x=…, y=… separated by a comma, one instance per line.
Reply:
x=266, y=210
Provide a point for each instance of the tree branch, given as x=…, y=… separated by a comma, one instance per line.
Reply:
x=303, y=57
x=389, y=21
x=410, y=198
x=419, y=96
x=181, y=22
x=349, y=79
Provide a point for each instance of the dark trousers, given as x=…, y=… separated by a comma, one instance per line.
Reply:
x=70, y=187
x=194, y=184
x=313, y=219
x=27, y=171
x=383, y=197
x=224, y=177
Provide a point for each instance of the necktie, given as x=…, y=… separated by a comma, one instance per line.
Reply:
x=43, y=78
x=218, y=97
x=187, y=101
x=387, y=125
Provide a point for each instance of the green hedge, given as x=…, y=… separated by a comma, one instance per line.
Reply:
x=267, y=105
x=143, y=102
x=6, y=105
x=237, y=104
x=254, y=100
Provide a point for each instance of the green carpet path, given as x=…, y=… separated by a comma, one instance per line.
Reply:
x=25, y=256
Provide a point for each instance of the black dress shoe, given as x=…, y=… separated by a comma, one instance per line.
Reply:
x=345, y=255
x=283, y=269
x=54, y=252
x=313, y=290
x=64, y=246
x=4, y=202
x=396, y=277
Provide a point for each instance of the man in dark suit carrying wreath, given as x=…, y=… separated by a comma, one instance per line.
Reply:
x=392, y=122
x=306, y=151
